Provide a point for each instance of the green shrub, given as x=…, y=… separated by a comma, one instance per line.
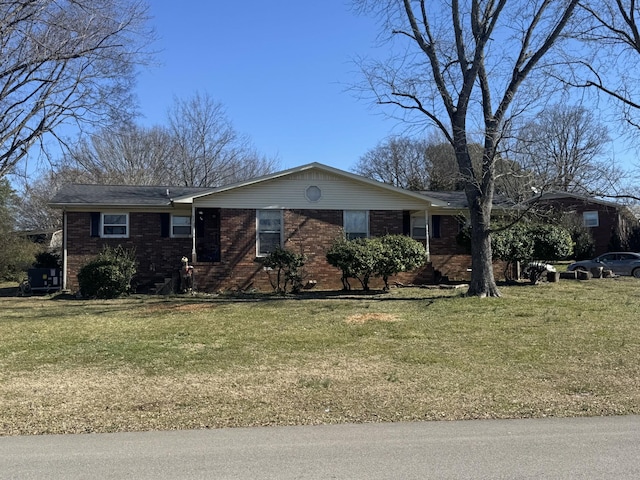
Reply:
x=17, y=252
x=364, y=258
x=340, y=255
x=355, y=258
x=525, y=242
x=288, y=267
x=47, y=260
x=109, y=274
x=551, y=242
x=400, y=254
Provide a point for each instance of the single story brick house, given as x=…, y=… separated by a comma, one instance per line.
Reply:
x=224, y=231
x=611, y=225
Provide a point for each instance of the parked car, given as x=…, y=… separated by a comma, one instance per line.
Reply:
x=620, y=263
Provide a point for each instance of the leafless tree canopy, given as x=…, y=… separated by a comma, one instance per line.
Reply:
x=563, y=148
x=414, y=164
x=65, y=61
x=33, y=211
x=612, y=32
x=129, y=155
x=400, y=161
x=209, y=151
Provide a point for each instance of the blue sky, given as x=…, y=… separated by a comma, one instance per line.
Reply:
x=281, y=69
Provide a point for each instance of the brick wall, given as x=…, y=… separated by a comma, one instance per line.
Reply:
x=307, y=231
x=157, y=257
x=383, y=222
x=609, y=218
x=449, y=259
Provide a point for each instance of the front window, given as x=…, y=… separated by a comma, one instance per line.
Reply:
x=180, y=225
x=419, y=228
x=269, y=231
x=356, y=224
x=591, y=219
x=115, y=225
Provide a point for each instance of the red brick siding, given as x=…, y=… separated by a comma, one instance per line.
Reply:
x=609, y=219
x=157, y=257
x=308, y=231
x=312, y=232
x=383, y=222
x=448, y=258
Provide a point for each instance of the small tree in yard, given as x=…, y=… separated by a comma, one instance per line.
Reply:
x=109, y=274
x=400, y=254
x=288, y=270
x=356, y=259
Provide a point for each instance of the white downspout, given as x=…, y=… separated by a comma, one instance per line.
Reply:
x=194, y=255
x=64, y=250
x=427, y=217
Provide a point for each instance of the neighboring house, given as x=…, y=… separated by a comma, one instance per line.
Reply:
x=611, y=224
x=224, y=231
x=51, y=239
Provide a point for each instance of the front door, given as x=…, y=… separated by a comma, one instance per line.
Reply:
x=208, y=234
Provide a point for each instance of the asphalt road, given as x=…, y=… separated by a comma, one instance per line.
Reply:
x=582, y=448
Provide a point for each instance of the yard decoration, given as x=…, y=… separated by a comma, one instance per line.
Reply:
x=186, y=276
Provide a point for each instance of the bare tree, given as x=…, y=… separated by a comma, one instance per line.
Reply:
x=65, y=61
x=399, y=161
x=413, y=164
x=130, y=155
x=563, y=148
x=461, y=67
x=209, y=152
x=33, y=211
x=613, y=33
x=445, y=174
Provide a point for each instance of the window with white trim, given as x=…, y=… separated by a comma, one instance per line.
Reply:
x=180, y=225
x=356, y=224
x=268, y=231
x=419, y=228
x=590, y=219
x=114, y=225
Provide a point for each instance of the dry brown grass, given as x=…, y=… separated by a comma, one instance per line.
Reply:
x=152, y=363
x=370, y=317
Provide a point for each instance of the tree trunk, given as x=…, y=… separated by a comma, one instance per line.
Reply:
x=482, y=283
x=479, y=190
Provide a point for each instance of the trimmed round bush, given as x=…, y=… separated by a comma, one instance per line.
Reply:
x=109, y=275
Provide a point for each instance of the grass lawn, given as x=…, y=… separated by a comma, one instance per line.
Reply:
x=143, y=363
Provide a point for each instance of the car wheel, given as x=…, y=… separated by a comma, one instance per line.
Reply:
x=581, y=268
x=636, y=272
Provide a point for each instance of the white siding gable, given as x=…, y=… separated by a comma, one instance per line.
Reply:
x=336, y=193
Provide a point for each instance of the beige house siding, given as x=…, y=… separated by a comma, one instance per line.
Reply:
x=337, y=193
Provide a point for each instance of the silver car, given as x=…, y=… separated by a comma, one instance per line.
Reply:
x=621, y=263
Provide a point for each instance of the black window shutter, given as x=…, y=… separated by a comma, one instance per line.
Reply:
x=95, y=224
x=165, y=224
x=406, y=222
x=435, y=226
